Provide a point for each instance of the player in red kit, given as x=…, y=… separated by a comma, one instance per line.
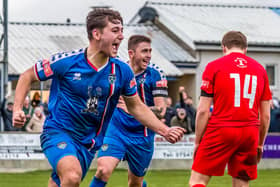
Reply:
x=234, y=134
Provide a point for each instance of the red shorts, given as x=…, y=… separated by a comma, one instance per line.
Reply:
x=235, y=146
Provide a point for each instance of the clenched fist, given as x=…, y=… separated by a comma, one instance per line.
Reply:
x=174, y=134
x=19, y=118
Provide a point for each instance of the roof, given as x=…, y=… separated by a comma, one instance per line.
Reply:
x=29, y=42
x=207, y=21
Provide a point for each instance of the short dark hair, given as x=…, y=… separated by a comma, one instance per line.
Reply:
x=234, y=39
x=98, y=19
x=134, y=40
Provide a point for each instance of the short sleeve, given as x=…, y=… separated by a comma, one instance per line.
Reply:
x=48, y=68
x=130, y=86
x=159, y=88
x=208, y=79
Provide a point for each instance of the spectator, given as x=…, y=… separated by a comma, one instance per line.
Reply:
x=36, y=122
x=28, y=111
x=182, y=120
x=170, y=111
x=7, y=114
x=274, y=119
x=191, y=111
x=185, y=101
x=36, y=100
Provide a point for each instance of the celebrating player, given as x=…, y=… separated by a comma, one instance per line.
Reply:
x=126, y=137
x=86, y=85
x=235, y=133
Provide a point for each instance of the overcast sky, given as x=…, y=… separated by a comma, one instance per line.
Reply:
x=76, y=10
x=60, y=10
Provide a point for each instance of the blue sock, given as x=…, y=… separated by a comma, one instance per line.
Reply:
x=97, y=183
x=144, y=183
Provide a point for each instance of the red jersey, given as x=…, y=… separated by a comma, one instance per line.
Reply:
x=238, y=84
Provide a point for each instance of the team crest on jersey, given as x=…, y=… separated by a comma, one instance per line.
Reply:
x=142, y=80
x=62, y=145
x=47, y=68
x=242, y=63
x=92, y=102
x=104, y=147
x=112, y=78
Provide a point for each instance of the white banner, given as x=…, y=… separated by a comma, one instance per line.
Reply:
x=179, y=150
x=20, y=147
x=27, y=147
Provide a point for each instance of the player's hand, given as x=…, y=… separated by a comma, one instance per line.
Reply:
x=259, y=153
x=181, y=89
x=19, y=118
x=174, y=134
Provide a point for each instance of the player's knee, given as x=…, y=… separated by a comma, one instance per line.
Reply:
x=72, y=178
x=103, y=173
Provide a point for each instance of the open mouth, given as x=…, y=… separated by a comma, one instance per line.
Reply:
x=146, y=61
x=115, y=47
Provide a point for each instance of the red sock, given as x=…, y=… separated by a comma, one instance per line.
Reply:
x=199, y=185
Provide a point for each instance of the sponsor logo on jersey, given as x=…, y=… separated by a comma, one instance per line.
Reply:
x=242, y=63
x=145, y=170
x=47, y=68
x=77, y=76
x=92, y=102
x=205, y=84
x=104, y=147
x=162, y=83
x=62, y=145
x=132, y=83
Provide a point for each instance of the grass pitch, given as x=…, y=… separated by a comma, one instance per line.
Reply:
x=166, y=178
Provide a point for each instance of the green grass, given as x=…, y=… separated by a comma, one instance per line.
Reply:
x=173, y=178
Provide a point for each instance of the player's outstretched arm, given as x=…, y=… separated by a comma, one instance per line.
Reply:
x=201, y=120
x=264, y=125
x=23, y=86
x=143, y=114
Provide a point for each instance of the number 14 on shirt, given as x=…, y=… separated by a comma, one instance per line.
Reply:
x=246, y=94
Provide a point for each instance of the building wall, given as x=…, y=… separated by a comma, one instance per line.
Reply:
x=270, y=59
x=188, y=81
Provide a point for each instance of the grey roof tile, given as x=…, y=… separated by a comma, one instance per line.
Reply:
x=29, y=42
x=207, y=22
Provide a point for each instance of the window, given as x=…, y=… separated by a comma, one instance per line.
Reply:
x=271, y=73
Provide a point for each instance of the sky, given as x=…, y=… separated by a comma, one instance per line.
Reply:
x=59, y=10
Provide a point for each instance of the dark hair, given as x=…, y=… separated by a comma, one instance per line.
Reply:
x=134, y=40
x=234, y=39
x=98, y=19
x=10, y=103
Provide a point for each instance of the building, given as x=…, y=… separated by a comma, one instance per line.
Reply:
x=185, y=37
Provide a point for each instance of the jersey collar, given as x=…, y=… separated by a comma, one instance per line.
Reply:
x=91, y=65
